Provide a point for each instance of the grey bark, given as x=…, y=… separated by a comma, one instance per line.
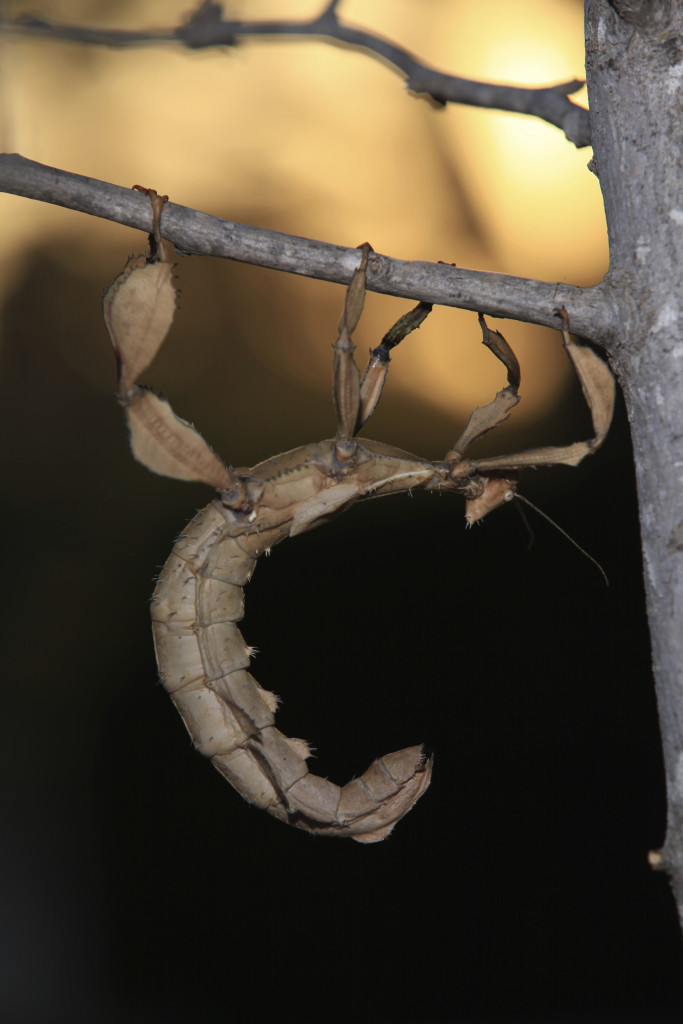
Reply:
x=194, y=232
x=635, y=76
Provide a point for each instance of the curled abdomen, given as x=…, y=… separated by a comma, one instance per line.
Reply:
x=203, y=661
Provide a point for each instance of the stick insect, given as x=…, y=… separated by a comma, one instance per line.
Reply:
x=199, y=598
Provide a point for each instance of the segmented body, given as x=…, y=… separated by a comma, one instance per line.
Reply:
x=204, y=660
x=199, y=600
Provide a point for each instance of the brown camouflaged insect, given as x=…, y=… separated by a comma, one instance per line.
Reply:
x=199, y=598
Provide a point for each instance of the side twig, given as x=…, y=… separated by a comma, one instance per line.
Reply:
x=206, y=28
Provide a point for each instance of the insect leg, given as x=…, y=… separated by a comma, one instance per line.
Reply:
x=139, y=307
x=346, y=375
x=376, y=371
x=599, y=390
x=486, y=417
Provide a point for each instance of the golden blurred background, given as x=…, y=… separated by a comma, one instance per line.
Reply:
x=315, y=140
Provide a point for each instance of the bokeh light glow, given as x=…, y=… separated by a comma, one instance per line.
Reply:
x=315, y=140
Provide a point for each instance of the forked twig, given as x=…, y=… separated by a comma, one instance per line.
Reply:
x=206, y=27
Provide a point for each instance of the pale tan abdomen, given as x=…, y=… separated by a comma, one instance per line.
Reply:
x=203, y=661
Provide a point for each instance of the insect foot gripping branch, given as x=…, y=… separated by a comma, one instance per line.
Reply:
x=199, y=598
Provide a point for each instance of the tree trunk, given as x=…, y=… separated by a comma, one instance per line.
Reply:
x=634, y=61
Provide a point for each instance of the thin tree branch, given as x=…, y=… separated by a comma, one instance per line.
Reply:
x=206, y=27
x=191, y=231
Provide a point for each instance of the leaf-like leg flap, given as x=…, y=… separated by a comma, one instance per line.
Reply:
x=355, y=293
x=599, y=390
x=378, y=365
x=170, y=446
x=346, y=375
x=486, y=417
x=139, y=306
x=597, y=382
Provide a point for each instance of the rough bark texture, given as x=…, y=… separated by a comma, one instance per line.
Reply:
x=634, y=64
x=192, y=231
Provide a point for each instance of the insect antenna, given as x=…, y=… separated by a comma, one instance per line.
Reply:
x=544, y=515
x=527, y=525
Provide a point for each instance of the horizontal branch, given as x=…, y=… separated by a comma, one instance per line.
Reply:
x=191, y=231
x=206, y=28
